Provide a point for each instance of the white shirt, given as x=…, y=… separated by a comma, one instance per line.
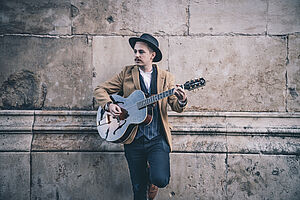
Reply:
x=147, y=78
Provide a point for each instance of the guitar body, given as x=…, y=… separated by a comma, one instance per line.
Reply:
x=118, y=129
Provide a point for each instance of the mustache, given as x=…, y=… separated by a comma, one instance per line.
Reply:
x=136, y=59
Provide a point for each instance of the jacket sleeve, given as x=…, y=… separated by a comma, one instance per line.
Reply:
x=173, y=100
x=112, y=86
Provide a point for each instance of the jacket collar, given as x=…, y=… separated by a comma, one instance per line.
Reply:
x=135, y=77
x=160, y=80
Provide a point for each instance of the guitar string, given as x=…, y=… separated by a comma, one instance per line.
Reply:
x=152, y=97
x=165, y=92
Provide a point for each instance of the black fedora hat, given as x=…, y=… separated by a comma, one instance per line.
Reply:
x=151, y=41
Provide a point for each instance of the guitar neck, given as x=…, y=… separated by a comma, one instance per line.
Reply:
x=154, y=98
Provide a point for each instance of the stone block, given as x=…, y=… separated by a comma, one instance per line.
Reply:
x=73, y=142
x=130, y=17
x=242, y=73
x=263, y=177
x=197, y=122
x=15, y=142
x=45, y=72
x=15, y=130
x=68, y=131
x=196, y=176
x=107, y=176
x=219, y=17
x=15, y=176
x=112, y=53
x=234, y=122
x=280, y=124
x=263, y=144
x=64, y=121
x=199, y=143
x=293, y=74
x=283, y=17
x=86, y=175
x=93, y=142
x=15, y=121
x=37, y=17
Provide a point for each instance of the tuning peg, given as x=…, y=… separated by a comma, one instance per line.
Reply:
x=202, y=81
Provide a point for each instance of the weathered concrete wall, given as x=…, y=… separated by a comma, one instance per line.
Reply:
x=45, y=72
x=240, y=136
x=217, y=155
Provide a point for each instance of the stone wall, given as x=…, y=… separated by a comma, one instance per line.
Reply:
x=238, y=139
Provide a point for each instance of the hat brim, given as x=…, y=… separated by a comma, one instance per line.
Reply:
x=158, y=56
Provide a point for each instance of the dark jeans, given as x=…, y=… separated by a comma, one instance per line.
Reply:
x=156, y=153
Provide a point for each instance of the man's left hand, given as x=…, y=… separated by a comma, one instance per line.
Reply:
x=180, y=94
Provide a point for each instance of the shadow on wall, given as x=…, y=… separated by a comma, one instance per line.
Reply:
x=23, y=90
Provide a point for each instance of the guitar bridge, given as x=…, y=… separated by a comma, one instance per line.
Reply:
x=107, y=121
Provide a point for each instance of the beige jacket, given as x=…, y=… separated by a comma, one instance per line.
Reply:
x=128, y=81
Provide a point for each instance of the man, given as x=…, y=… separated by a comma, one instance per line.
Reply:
x=147, y=150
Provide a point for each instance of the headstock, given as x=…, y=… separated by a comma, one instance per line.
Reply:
x=194, y=84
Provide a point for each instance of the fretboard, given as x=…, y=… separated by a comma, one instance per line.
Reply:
x=154, y=98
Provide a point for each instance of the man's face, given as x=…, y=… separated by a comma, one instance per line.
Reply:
x=143, y=56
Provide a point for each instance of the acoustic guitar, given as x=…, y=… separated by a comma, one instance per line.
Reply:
x=136, y=109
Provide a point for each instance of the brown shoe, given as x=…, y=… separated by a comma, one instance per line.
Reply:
x=152, y=191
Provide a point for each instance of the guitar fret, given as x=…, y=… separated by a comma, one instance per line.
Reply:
x=160, y=96
x=152, y=99
x=165, y=94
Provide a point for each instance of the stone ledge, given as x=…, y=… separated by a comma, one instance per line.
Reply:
x=206, y=132
x=16, y=121
x=236, y=123
x=239, y=123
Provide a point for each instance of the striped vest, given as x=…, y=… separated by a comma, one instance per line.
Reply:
x=153, y=129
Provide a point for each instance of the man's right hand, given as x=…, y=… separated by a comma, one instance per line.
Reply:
x=114, y=109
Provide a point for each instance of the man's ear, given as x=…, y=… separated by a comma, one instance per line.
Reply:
x=153, y=55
